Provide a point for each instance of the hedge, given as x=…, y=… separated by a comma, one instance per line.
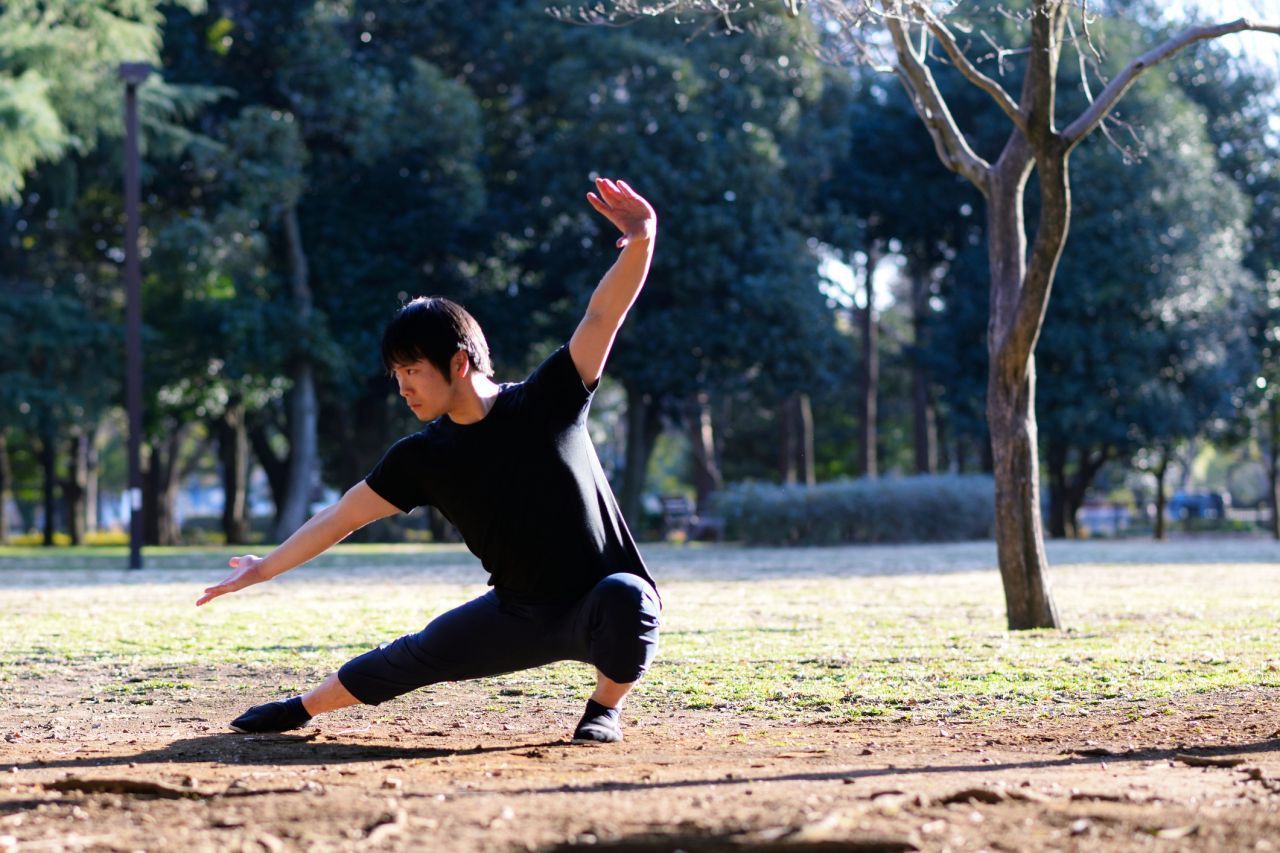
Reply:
x=941, y=508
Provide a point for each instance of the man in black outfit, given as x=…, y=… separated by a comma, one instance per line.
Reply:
x=513, y=467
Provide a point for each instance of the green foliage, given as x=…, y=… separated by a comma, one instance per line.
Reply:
x=58, y=85
x=942, y=508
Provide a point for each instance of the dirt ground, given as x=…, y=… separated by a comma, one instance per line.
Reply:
x=448, y=771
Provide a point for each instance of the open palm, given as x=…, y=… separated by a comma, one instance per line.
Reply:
x=626, y=209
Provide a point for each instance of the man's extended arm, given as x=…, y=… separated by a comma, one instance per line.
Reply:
x=359, y=506
x=625, y=208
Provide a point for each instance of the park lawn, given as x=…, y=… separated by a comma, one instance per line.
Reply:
x=914, y=632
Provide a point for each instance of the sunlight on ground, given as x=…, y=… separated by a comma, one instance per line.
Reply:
x=906, y=632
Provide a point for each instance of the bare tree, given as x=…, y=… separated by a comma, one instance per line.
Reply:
x=899, y=36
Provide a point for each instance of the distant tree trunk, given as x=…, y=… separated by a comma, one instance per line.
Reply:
x=442, y=530
x=75, y=486
x=804, y=417
x=6, y=485
x=795, y=442
x=274, y=466
x=706, y=469
x=1273, y=467
x=303, y=415
x=49, y=470
x=1067, y=492
x=869, y=375
x=643, y=424
x=1056, y=459
x=233, y=456
x=923, y=414
x=91, y=479
x=1162, y=468
x=161, y=478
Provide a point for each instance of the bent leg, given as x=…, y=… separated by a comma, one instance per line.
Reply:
x=481, y=638
x=619, y=620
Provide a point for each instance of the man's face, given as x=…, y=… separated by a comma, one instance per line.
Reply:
x=427, y=393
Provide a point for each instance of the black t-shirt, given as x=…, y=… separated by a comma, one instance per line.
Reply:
x=523, y=486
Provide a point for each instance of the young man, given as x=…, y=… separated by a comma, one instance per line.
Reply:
x=513, y=467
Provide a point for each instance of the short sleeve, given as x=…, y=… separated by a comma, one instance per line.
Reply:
x=556, y=387
x=400, y=476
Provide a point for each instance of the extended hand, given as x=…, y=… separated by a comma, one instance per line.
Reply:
x=246, y=574
x=626, y=209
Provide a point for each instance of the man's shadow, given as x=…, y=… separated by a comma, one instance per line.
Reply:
x=273, y=749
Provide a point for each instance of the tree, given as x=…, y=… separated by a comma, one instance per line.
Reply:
x=1021, y=274
x=1145, y=348
x=58, y=91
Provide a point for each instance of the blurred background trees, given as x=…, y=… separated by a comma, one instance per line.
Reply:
x=816, y=311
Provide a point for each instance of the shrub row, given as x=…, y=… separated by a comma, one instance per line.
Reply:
x=942, y=508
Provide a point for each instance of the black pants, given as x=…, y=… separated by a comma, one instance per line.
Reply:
x=614, y=627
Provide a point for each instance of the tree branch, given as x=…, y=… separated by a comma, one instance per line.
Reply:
x=1106, y=100
x=953, y=149
x=971, y=73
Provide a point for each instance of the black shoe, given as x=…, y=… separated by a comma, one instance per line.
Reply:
x=598, y=725
x=273, y=717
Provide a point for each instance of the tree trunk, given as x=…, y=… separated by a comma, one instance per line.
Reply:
x=795, y=440
x=1078, y=486
x=1017, y=309
x=160, y=481
x=91, y=473
x=643, y=425
x=787, y=440
x=442, y=530
x=869, y=375
x=303, y=452
x=924, y=427
x=233, y=455
x=75, y=486
x=49, y=469
x=706, y=470
x=1056, y=459
x=275, y=467
x=6, y=485
x=804, y=417
x=1273, y=467
x=1161, y=470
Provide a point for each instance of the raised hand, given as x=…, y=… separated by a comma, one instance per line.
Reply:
x=246, y=574
x=626, y=209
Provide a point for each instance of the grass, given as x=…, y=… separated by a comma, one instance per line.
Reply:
x=833, y=633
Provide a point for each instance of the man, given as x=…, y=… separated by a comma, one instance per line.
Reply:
x=513, y=467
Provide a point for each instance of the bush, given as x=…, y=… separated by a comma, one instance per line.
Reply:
x=944, y=508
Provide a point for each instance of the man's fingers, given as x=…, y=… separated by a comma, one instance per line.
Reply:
x=608, y=187
x=597, y=202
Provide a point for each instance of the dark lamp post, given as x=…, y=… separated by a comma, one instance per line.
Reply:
x=134, y=74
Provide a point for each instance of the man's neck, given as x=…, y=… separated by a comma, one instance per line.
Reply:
x=476, y=396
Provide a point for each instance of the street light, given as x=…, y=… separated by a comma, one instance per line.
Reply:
x=134, y=74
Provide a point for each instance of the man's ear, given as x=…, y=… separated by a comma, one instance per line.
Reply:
x=460, y=364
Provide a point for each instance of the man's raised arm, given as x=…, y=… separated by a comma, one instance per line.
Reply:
x=634, y=217
x=358, y=507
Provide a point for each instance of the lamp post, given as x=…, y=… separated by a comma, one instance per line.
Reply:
x=134, y=74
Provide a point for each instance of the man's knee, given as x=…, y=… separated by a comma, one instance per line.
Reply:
x=626, y=594
x=625, y=629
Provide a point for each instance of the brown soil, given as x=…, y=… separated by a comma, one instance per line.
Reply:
x=447, y=771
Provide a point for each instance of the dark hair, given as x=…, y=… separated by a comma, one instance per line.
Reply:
x=434, y=328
